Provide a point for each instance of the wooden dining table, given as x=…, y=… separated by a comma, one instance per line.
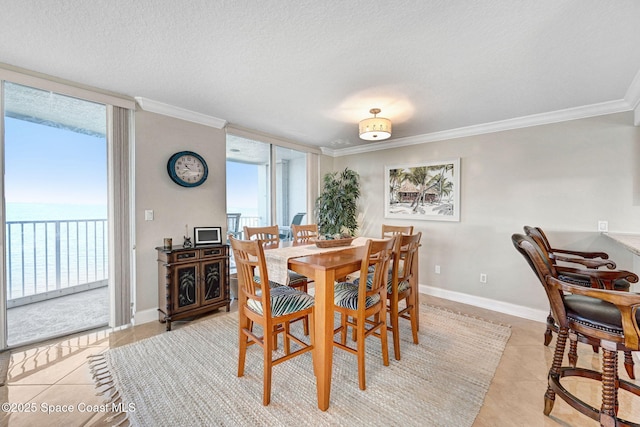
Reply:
x=324, y=269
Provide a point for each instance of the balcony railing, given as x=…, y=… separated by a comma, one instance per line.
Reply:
x=46, y=259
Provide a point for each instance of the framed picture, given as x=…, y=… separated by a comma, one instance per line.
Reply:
x=207, y=235
x=425, y=191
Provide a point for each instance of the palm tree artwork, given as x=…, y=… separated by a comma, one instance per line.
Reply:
x=422, y=190
x=187, y=289
x=212, y=281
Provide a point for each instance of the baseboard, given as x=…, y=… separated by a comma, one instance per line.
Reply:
x=145, y=316
x=489, y=304
x=151, y=314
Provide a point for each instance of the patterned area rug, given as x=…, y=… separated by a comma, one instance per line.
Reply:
x=188, y=377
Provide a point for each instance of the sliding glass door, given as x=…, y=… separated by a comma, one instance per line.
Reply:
x=266, y=183
x=56, y=229
x=248, y=182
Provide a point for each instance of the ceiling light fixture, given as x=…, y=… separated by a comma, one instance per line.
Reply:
x=375, y=128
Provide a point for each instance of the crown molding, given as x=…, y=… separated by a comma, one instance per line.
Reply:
x=179, y=113
x=633, y=93
x=586, y=111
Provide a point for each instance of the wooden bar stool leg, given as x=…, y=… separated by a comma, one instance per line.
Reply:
x=609, y=389
x=628, y=364
x=573, y=349
x=550, y=395
x=548, y=334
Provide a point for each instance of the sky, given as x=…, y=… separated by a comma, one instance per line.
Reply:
x=242, y=188
x=44, y=164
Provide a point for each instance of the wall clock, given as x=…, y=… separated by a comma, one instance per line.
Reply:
x=187, y=169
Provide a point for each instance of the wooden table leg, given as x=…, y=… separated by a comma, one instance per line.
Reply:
x=323, y=351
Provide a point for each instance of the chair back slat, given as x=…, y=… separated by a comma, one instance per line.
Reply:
x=249, y=257
x=404, y=253
x=269, y=235
x=302, y=234
x=378, y=257
x=394, y=230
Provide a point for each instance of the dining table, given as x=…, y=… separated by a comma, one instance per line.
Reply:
x=324, y=267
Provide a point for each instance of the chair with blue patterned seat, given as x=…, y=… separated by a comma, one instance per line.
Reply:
x=273, y=308
x=401, y=286
x=363, y=306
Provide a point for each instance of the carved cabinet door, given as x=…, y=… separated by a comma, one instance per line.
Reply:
x=186, y=287
x=213, y=280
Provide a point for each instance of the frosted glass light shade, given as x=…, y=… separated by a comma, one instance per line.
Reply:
x=375, y=128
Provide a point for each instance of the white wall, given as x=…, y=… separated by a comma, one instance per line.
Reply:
x=157, y=138
x=562, y=177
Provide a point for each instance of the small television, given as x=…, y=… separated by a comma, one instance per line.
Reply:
x=207, y=235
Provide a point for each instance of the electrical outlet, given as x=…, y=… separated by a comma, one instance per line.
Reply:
x=603, y=226
x=148, y=215
x=437, y=269
x=483, y=278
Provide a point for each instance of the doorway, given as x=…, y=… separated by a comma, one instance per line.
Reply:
x=55, y=214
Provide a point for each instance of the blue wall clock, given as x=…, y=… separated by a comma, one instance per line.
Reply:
x=187, y=169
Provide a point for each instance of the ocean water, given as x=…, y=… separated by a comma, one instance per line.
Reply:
x=53, y=246
x=51, y=211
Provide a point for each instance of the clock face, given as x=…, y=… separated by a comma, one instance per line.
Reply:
x=187, y=169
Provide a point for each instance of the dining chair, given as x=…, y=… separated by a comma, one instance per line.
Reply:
x=392, y=230
x=273, y=308
x=286, y=232
x=607, y=317
x=363, y=306
x=233, y=224
x=303, y=234
x=400, y=286
x=270, y=238
x=612, y=280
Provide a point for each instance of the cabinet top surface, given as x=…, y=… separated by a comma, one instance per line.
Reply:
x=179, y=248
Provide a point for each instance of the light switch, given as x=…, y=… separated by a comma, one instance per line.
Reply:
x=148, y=215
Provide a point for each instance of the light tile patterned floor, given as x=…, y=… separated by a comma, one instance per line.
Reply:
x=56, y=374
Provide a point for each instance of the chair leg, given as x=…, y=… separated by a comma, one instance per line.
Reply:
x=395, y=330
x=573, y=351
x=287, y=341
x=548, y=334
x=383, y=338
x=268, y=365
x=312, y=342
x=242, y=352
x=361, y=348
x=628, y=364
x=343, y=332
x=305, y=321
x=609, y=388
x=561, y=342
x=413, y=313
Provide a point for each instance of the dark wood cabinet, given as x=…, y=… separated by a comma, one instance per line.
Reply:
x=192, y=281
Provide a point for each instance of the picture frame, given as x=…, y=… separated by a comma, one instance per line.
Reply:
x=424, y=191
x=207, y=236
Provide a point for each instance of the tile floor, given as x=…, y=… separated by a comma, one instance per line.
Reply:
x=57, y=373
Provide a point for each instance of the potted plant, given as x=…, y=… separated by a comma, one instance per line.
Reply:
x=336, y=208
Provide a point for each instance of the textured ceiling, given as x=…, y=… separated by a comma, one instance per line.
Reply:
x=308, y=71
